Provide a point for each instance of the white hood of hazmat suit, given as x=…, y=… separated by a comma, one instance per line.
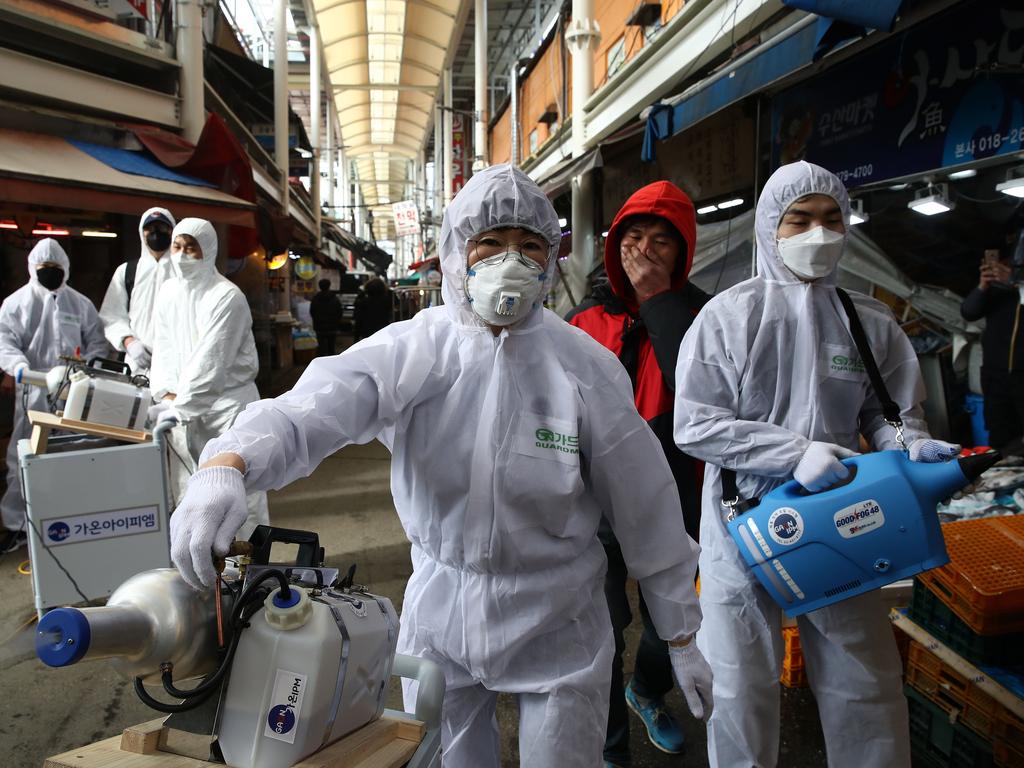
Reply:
x=37, y=326
x=767, y=367
x=120, y=321
x=506, y=450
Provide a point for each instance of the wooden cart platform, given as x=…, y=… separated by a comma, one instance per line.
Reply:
x=385, y=743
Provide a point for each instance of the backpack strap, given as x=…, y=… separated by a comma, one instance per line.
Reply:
x=130, y=268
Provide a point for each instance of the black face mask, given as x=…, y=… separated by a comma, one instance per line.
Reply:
x=158, y=241
x=50, y=277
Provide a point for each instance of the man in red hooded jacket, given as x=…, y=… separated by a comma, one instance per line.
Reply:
x=641, y=316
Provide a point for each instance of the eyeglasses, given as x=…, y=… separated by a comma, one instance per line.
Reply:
x=531, y=253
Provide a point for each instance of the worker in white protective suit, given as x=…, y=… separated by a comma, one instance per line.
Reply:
x=510, y=432
x=204, y=356
x=758, y=392
x=39, y=322
x=127, y=310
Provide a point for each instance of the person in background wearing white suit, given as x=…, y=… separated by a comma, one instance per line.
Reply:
x=204, y=355
x=127, y=310
x=39, y=322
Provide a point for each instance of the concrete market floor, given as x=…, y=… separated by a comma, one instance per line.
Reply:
x=348, y=502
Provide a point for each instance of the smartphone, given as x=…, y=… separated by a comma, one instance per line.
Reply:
x=991, y=257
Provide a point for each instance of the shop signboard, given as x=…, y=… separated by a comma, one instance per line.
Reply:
x=407, y=217
x=948, y=92
x=458, y=153
x=306, y=268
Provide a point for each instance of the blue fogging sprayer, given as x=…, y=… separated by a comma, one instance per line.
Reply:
x=880, y=525
x=877, y=526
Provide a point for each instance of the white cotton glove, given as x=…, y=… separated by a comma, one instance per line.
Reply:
x=929, y=451
x=819, y=467
x=139, y=355
x=205, y=522
x=693, y=673
x=161, y=411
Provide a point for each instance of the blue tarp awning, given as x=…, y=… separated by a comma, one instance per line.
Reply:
x=136, y=163
x=806, y=41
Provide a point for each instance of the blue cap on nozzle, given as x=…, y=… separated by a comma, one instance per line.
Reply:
x=62, y=637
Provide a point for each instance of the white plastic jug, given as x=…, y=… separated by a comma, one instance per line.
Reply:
x=107, y=401
x=306, y=675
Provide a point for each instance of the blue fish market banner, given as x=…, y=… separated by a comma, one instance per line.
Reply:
x=947, y=92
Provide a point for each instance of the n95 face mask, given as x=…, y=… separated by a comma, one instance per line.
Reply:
x=504, y=288
x=812, y=254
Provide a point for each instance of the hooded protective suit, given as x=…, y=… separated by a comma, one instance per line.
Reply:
x=204, y=353
x=757, y=380
x=505, y=452
x=118, y=319
x=37, y=326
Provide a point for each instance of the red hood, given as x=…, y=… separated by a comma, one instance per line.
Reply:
x=662, y=198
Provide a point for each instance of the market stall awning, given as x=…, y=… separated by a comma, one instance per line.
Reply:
x=561, y=176
x=375, y=258
x=37, y=169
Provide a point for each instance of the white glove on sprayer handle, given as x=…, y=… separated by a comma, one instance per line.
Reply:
x=205, y=522
x=819, y=467
x=930, y=451
x=140, y=356
x=693, y=673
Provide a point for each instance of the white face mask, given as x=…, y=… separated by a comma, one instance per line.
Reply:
x=188, y=268
x=812, y=254
x=503, y=288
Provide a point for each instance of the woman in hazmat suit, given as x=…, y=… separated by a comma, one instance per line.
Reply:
x=204, y=355
x=39, y=322
x=511, y=433
x=770, y=384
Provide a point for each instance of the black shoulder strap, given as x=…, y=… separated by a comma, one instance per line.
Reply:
x=890, y=410
x=130, y=268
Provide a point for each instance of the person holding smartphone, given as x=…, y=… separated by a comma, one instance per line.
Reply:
x=997, y=299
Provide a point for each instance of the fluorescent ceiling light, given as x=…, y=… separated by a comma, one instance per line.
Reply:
x=97, y=233
x=707, y=209
x=48, y=232
x=931, y=201
x=562, y=222
x=604, y=234
x=730, y=203
x=8, y=224
x=1012, y=187
x=857, y=214
x=966, y=173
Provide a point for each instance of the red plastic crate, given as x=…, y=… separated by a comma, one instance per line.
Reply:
x=983, y=583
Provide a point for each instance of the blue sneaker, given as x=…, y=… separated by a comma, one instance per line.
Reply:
x=662, y=729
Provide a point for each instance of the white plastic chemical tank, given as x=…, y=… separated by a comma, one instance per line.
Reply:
x=307, y=672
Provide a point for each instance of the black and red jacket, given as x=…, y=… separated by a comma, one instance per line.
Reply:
x=646, y=337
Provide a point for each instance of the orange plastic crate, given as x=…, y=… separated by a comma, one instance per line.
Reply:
x=1006, y=755
x=793, y=673
x=959, y=696
x=983, y=583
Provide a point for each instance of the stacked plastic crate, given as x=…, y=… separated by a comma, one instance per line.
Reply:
x=965, y=659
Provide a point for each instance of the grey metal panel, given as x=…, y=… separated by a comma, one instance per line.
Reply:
x=34, y=76
x=61, y=485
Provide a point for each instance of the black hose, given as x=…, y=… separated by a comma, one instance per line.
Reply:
x=193, y=697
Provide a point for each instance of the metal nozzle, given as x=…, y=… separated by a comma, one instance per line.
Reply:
x=974, y=465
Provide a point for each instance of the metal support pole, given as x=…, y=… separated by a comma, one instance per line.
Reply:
x=582, y=36
x=315, y=120
x=438, y=198
x=190, y=54
x=449, y=160
x=513, y=110
x=281, y=96
x=480, y=66
x=332, y=156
